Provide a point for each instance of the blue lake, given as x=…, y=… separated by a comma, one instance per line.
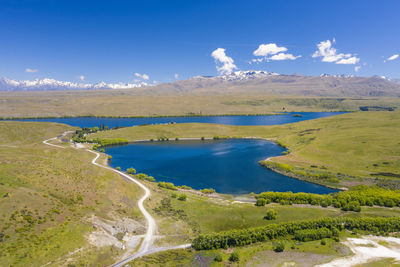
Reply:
x=229, y=166
x=230, y=120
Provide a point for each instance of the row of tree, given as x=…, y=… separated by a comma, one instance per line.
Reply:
x=346, y=200
x=248, y=236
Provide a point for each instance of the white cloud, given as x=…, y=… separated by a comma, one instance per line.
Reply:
x=142, y=76
x=268, y=49
x=395, y=56
x=176, y=76
x=357, y=68
x=31, y=70
x=227, y=62
x=350, y=60
x=329, y=54
x=82, y=77
x=272, y=51
x=52, y=84
x=283, y=56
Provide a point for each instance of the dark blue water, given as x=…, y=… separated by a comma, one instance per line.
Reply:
x=229, y=166
x=230, y=120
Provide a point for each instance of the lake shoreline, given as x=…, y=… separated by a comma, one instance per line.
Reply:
x=169, y=116
x=271, y=140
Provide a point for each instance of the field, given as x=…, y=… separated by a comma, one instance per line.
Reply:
x=360, y=147
x=131, y=103
x=48, y=195
x=52, y=197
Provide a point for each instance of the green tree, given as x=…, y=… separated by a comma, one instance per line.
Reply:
x=131, y=170
x=234, y=257
x=271, y=214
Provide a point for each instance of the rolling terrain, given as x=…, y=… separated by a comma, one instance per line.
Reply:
x=238, y=93
x=356, y=147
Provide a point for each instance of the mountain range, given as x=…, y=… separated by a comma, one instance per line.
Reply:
x=239, y=82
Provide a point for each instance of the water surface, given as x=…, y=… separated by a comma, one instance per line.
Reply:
x=229, y=166
x=230, y=120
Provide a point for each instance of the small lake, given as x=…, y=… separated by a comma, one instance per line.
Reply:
x=229, y=166
x=230, y=120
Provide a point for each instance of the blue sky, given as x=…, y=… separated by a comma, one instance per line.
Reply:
x=111, y=40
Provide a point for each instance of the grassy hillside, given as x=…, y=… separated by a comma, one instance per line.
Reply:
x=348, y=147
x=47, y=196
x=131, y=103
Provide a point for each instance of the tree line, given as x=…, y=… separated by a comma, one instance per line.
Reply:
x=352, y=199
x=234, y=238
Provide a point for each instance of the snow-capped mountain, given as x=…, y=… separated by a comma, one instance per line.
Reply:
x=48, y=84
x=241, y=75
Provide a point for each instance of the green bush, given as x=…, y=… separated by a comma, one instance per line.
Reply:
x=218, y=258
x=131, y=170
x=234, y=257
x=312, y=234
x=271, y=214
x=166, y=185
x=182, y=197
x=118, y=168
x=208, y=191
x=260, y=202
x=279, y=247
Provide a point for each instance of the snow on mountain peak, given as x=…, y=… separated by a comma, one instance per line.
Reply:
x=7, y=84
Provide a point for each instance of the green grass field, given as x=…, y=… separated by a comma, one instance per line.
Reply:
x=47, y=195
x=360, y=147
x=131, y=103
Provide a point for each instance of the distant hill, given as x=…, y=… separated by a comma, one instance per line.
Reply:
x=260, y=82
x=239, y=82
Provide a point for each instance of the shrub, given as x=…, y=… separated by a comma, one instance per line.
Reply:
x=102, y=150
x=279, y=247
x=202, y=138
x=109, y=157
x=165, y=185
x=176, y=139
x=185, y=187
x=182, y=197
x=218, y=258
x=234, y=257
x=118, y=168
x=208, y=191
x=312, y=234
x=271, y=214
x=174, y=195
x=131, y=170
x=260, y=202
x=323, y=242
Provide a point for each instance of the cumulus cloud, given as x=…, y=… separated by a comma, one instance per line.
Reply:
x=225, y=64
x=272, y=51
x=395, y=56
x=268, y=49
x=176, y=76
x=330, y=54
x=142, y=76
x=31, y=70
x=82, y=77
x=283, y=56
x=52, y=84
x=357, y=68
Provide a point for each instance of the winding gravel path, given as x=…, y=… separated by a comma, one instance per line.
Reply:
x=146, y=245
x=151, y=223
